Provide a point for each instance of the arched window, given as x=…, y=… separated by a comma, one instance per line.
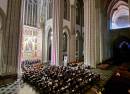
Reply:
x=49, y=9
x=124, y=44
x=35, y=10
x=50, y=38
x=77, y=12
x=30, y=12
x=119, y=16
x=67, y=9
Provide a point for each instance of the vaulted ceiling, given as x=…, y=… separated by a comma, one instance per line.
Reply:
x=106, y=3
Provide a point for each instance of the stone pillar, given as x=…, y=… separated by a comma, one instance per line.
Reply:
x=80, y=47
x=43, y=43
x=73, y=18
x=101, y=38
x=91, y=31
x=46, y=35
x=106, y=43
x=80, y=36
x=10, y=41
x=72, y=32
x=1, y=30
x=58, y=7
x=129, y=8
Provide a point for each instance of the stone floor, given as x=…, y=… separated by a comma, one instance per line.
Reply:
x=16, y=88
x=105, y=75
x=19, y=88
x=11, y=88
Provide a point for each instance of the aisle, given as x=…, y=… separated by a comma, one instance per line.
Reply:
x=26, y=89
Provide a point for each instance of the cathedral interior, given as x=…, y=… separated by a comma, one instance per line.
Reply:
x=64, y=47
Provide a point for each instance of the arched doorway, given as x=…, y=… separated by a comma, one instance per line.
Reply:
x=121, y=50
x=50, y=38
x=66, y=45
x=65, y=55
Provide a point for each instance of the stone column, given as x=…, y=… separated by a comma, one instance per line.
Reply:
x=99, y=33
x=58, y=7
x=80, y=36
x=10, y=41
x=91, y=31
x=1, y=30
x=129, y=8
x=43, y=41
x=72, y=32
x=106, y=43
x=73, y=18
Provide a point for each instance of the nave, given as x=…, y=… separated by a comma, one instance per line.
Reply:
x=73, y=79
x=64, y=46
x=60, y=79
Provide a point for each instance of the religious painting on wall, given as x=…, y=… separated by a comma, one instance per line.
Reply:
x=28, y=45
x=29, y=50
x=31, y=44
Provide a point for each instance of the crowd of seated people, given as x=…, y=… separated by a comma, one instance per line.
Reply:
x=31, y=64
x=60, y=79
x=74, y=64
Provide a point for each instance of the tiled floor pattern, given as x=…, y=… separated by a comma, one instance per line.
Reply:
x=19, y=88
x=11, y=88
x=105, y=75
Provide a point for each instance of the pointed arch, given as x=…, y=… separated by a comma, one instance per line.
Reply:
x=118, y=14
x=79, y=11
x=66, y=29
x=49, y=44
x=66, y=38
